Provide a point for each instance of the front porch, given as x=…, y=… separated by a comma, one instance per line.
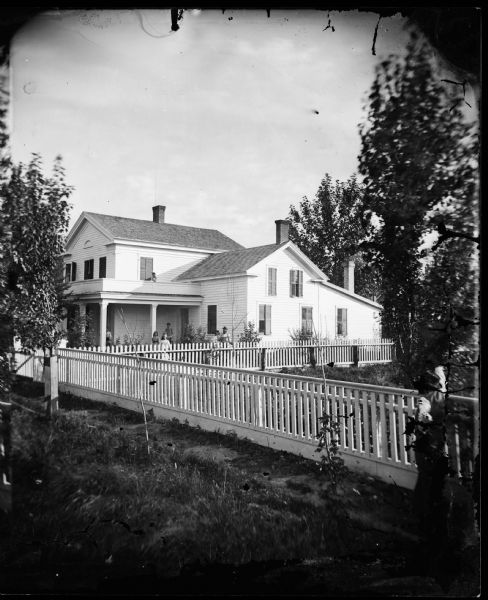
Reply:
x=132, y=316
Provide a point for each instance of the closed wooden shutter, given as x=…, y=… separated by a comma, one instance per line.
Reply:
x=300, y=284
x=146, y=268
x=73, y=271
x=272, y=281
x=267, y=319
x=102, y=267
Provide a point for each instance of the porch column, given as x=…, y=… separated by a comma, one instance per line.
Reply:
x=154, y=308
x=103, y=323
x=82, y=306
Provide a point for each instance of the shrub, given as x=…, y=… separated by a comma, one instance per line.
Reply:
x=250, y=335
x=303, y=335
x=191, y=334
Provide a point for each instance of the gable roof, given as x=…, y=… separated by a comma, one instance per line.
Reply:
x=162, y=233
x=229, y=263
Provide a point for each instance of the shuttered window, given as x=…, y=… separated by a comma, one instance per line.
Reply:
x=307, y=319
x=265, y=319
x=89, y=268
x=296, y=283
x=212, y=318
x=67, y=273
x=73, y=271
x=341, y=321
x=102, y=267
x=272, y=272
x=146, y=268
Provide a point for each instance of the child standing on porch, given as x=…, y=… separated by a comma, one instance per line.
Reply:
x=169, y=332
x=165, y=345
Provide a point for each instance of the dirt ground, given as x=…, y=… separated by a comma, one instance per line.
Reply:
x=383, y=560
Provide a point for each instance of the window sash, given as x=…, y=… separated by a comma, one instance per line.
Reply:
x=265, y=319
x=211, y=318
x=307, y=319
x=146, y=268
x=73, y=271
x=296, y=283
x=102, y=267
x=89, y=268
x=67, y=273
x=341, y=321
x=272, y=272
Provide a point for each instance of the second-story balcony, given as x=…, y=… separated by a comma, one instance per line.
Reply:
x=135, y=290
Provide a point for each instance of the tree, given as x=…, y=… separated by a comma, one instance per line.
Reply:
x=419, y=162
x=35, y=213
x=328, y=230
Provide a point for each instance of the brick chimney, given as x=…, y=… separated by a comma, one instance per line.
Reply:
x=348, y=265
x=158, y=213
x=282, y=231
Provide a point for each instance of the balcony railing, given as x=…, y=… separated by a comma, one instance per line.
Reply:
x=126, y=286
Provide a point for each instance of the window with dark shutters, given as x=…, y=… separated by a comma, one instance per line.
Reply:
x=146, y=268
x=212, y=318
x=73, y=271
x=67, y=273
x=307, y=319
x=296, y=283
x=265, y=319
x=89, y=268
x=102, y=267
x=341, y=321
x=272, y=272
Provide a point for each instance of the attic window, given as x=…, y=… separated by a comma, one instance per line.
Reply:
x=87, y=244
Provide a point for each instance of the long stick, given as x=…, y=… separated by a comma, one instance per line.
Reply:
x=138, y=359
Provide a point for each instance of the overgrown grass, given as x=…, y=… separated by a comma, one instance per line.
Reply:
x=89, y=492
x=388, y=374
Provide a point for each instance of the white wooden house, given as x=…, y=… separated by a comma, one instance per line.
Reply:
x=135, y=276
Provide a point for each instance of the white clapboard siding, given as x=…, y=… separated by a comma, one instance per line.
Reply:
x=90, y=243
x=275, y=409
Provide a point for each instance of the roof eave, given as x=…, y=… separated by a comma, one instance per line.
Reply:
x=338, y=288
x=226, y=276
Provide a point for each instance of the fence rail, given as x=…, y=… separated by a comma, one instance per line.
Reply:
x=278, y=410
x=267, y=355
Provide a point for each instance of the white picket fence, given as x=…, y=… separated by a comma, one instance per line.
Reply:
x=265, y=355
x=277, y=410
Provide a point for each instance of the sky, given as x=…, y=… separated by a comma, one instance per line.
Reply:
x=226, y=122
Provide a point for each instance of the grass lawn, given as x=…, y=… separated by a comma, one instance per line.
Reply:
x=203, y=513
x=388, y=374
x=462, y=379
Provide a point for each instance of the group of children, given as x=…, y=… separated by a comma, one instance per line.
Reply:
x=167, y=336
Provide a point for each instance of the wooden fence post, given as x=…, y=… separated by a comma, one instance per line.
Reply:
x=355, y=355
x=51, y=384
x=311, y=357
x=263, y=359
